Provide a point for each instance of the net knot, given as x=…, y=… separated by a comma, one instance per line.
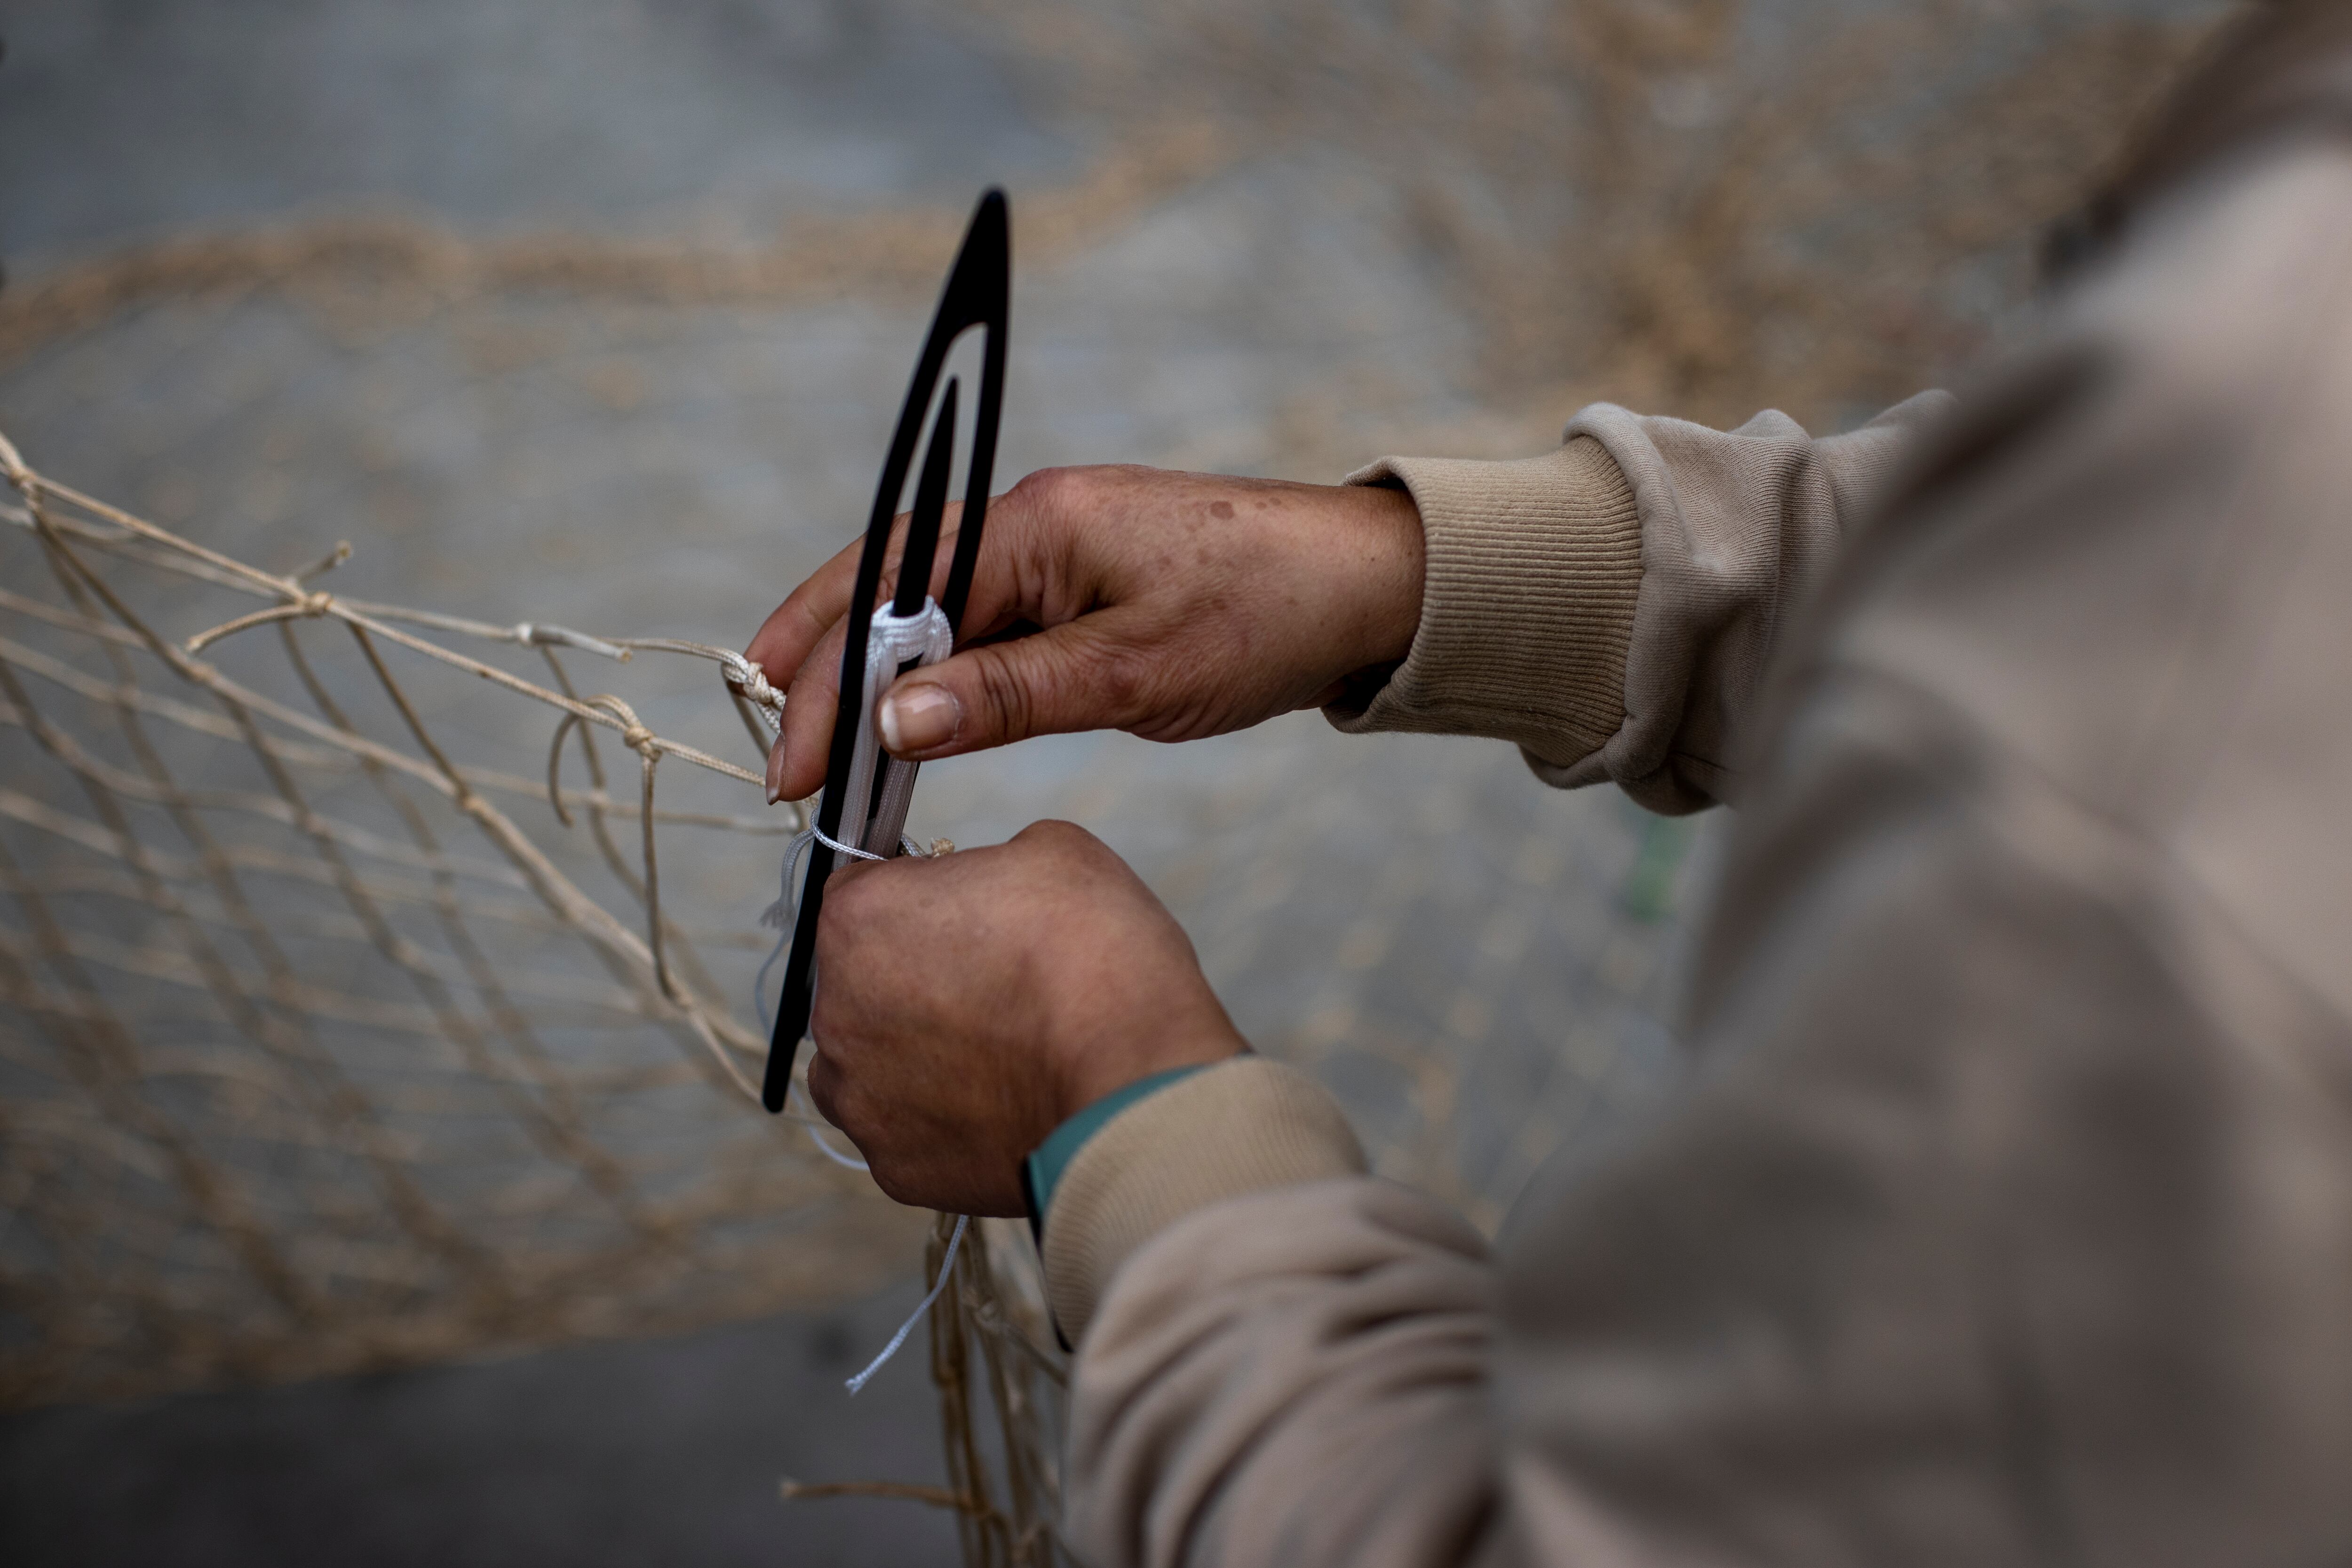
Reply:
x=748, y=680
x=633, y=733
x=316, y=602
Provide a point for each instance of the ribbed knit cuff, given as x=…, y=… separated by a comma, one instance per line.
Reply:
x=1532, y=568
x=1238, y=1127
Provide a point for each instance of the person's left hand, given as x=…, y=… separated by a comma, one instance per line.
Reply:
x=969, y=1005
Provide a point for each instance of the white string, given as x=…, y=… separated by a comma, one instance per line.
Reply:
x=891, y=641
x=778, y=918
x=947, y=1271
x=823, y=1147
x=926, y=638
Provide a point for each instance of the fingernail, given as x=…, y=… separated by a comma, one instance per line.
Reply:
x=916, y=719
x=776, y=771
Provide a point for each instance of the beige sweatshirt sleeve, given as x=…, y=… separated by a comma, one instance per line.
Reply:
x=2008, y=1218
x=1237, y=1127
x=1609, y=607
x=1295, y=1376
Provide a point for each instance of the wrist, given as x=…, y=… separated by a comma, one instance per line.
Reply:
x=1380, y=561
x=1095, y=1075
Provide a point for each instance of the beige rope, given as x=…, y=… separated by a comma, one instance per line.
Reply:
x=102, y=1044
x=339, y=1287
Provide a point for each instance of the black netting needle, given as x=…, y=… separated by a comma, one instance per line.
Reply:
x=978, y=294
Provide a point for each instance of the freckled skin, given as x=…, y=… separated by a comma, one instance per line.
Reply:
x=1121, y=566
x=973, y=1002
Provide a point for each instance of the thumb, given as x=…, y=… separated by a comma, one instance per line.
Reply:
x=1077, y=675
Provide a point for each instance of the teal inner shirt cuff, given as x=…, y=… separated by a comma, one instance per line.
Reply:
x=1042, y=1171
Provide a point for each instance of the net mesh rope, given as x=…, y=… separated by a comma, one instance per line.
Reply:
x=255, y=1032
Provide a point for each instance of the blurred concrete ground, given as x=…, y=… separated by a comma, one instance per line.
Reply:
x=1232, y=254
x=594, y=1456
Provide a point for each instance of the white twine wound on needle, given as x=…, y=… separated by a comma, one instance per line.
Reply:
x=778, y=918
x=892, y=642
x=947, y=1271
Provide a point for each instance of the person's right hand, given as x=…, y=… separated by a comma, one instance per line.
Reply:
x=1170, y=605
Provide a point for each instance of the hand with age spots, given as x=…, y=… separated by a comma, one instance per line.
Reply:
x=967, y=1005
x=1168, y=605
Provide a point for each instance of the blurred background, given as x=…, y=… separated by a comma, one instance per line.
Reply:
x=598, y=313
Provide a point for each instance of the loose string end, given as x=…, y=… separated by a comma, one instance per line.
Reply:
x=947, y=1272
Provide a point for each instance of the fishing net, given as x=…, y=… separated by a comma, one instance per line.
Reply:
x=376, y=982
x=329, y=1058
x=317, y=1060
